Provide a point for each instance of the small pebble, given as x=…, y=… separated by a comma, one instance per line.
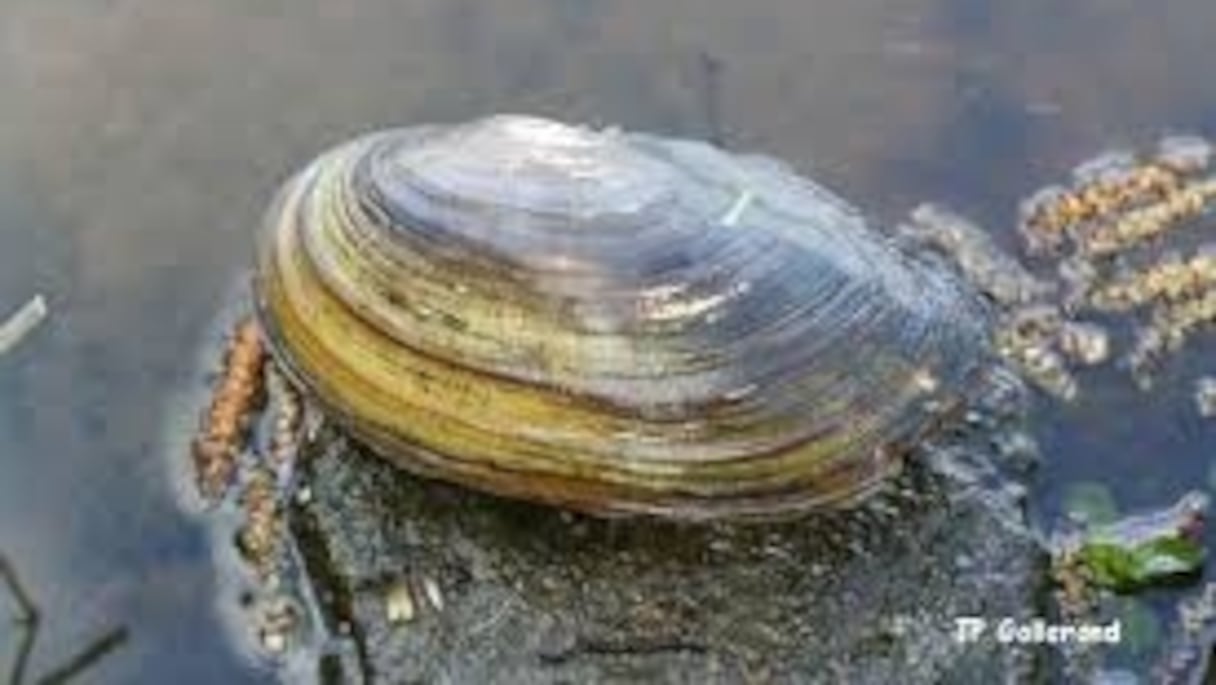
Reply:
x=399, y=603
x=1205, y=396
x=433, y=593
x=1085, y=343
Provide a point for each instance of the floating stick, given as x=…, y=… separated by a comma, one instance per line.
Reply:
x=22, y=323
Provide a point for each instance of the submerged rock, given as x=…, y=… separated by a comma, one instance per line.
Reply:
x=507, y=592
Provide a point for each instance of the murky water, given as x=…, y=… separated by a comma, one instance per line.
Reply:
x=140, y=139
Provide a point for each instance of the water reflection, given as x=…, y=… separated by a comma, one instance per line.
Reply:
x=140, y=139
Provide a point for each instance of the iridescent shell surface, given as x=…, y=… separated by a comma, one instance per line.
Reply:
x=608, y=321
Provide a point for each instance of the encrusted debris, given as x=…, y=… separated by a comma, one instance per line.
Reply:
x=278, y=622
x=1166, y=333
x=995, y=273
x=244, y=459
x=288, y=412
x=1205, y=396
x=1084, y=343
x=1030, y=339
x=224, y=431
x=1105, y=232
x=1171, y=279
x=1116, y=198
x=261, y=533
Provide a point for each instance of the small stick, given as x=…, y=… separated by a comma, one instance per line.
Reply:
x=28, y=610
x=27, y=617
x=95, y=652
x=22, y=323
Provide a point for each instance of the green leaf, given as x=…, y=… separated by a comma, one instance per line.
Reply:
x=1123, y=568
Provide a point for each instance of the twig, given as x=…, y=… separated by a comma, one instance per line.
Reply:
x=27, y=617
x=29, y=611
x=22, y=323
x=92, y=654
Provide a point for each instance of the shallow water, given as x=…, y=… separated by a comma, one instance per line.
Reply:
x=140, y=140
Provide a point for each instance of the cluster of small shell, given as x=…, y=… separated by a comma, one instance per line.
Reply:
x=288, y=414
x=1033, y=334
x=1114, y=218
x=1205, y=396
x=261, y=532
x=1075, y=594
x=1116, y=239
x=1077, y=602
x=247, y=441
x=223, y=433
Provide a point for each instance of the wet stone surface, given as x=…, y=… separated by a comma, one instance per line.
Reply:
x=423, y=582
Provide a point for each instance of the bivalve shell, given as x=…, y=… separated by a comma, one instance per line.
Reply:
x=609, y=321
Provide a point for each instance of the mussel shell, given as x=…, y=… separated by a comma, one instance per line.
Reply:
x=609, y=321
